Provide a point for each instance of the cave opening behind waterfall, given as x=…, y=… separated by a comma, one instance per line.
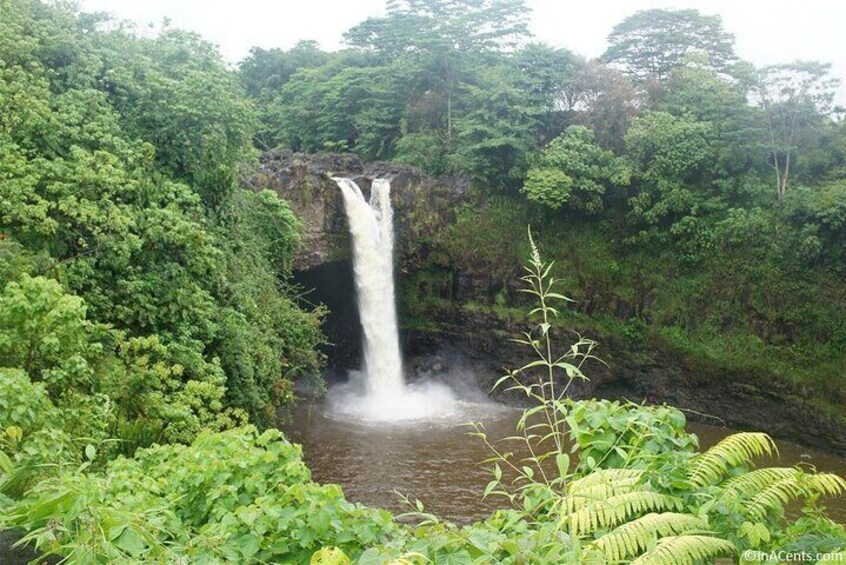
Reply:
x=333, y=285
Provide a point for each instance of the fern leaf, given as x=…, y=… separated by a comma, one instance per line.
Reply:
x=607, y=476
x=634, y=537
x=710, y=467
x=777, y=495
x=781, y=493
x=748, y=484
x=600, y=485
x=825, y=484
x=610, y=478
x=615, y=510
x=685, y=550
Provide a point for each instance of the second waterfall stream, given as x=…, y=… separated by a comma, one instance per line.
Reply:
x=378, y=391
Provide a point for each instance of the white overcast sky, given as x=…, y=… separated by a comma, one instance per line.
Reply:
x=767, y=31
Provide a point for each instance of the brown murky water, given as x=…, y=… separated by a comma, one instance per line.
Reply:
x=439, y=464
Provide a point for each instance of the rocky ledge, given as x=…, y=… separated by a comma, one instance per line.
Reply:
x=718, y=396
x=420, y=202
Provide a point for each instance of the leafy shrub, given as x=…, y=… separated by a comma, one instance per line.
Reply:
x=94, y=375
x=24, y=404
x=231, y=496
x=30, y=433
x=573, y=171
x=610, y=434
x=44, y=331
x=821, y=213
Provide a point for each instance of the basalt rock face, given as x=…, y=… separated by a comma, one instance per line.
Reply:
x=421, y=203
x=423, y=208
x=717, y=396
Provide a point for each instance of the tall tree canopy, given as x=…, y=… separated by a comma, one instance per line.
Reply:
x=445, y=41
x=651, y=43
x=461, y=26
x=794, y=97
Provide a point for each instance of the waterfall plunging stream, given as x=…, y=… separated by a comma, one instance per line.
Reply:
x=378, y=392
x=372, y=231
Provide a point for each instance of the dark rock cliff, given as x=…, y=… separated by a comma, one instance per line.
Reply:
x=421, y=204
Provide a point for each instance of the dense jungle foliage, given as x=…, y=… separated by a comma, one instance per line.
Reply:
x=149, y=332
x=144, y=295
x=697, y=203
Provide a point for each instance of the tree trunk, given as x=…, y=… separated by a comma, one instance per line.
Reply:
x=449, y=113
x=783, y=189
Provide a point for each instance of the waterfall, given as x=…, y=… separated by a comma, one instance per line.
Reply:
x=378, y=392
x=372, y=232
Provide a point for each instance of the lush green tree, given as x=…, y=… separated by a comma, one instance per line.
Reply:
x=672, y=159
x=794, y=97
x=269, y=69
x=651, y=43
x=144, y=233
x=573, y=171
x=465, y=26
x=175, y=92
x=709, y=97
x=45, y=332
x=445, y=39
x=669, y=148
x=345, y=105
x=551, y=80
x=820, y=213
x=699, y=93
x=265, y=71
x=493, y=139
x=41, y=326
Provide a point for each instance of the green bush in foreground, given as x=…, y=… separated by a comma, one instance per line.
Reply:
x=235, y=496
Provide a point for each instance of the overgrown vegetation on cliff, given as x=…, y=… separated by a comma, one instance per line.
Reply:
x=693, y=200
x=143, y=294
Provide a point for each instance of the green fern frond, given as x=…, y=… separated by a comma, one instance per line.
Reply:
x=751, y=483
x=617, y=510
x=790, y=488
x=824, y=484
x=634, y=537
x=710, y=467
x=686, y=550
x=606, y=476
x=600, y=485
x=776, y=495
x=592, y=493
